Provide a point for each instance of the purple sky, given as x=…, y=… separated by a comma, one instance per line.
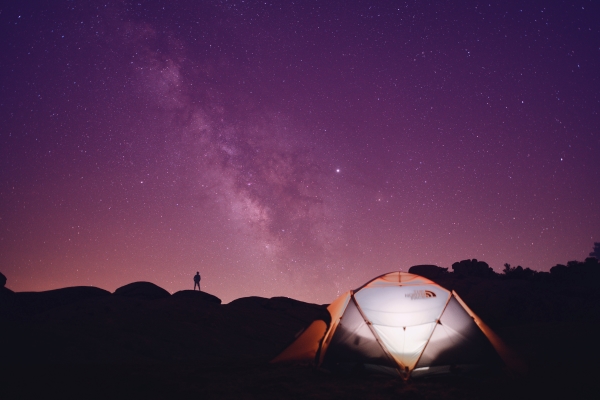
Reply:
x=294, y=148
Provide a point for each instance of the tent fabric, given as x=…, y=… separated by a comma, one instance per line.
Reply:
x=402, y=306
x=305, y=347
x=456, y=340
x=403, y=324
x=335, y=309
x=354, y=341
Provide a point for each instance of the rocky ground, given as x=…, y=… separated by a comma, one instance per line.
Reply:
x=142, y=342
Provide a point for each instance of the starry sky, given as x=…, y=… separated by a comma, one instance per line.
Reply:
x=294, y=148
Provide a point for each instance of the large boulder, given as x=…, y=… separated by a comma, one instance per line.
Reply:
x=306, y=312
x=249, y=302
x=474, y=268
x=37, y=302
x=2, y=280
x=428, y=271
x=196, y=294
x=7, y=297
x=144, y=290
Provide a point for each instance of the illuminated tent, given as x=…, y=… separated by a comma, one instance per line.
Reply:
x=403, y=324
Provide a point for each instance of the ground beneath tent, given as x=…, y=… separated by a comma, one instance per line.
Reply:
x=234, y=381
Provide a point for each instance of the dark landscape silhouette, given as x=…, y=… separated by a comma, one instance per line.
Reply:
x=142, y=341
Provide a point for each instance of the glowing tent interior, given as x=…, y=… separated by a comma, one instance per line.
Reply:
x=400, y=323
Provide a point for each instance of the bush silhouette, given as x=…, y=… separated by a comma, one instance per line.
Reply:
x=596, y=252
x=577, y=270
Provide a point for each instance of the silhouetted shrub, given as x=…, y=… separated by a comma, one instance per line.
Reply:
x=542, y=276
x=596, y=252
x=559, y=271
x=519, y=272
x=577, y=270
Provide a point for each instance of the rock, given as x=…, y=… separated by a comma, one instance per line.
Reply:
x=302, y=310
x=6, y=299
x=473, y=268
x=428, y=271
x=195, y=294
x=2, y=280
x=145, y=290
x=306, y=312
x=249, y=302
x=36, y=302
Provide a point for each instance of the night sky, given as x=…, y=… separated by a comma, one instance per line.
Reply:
x=294, y=148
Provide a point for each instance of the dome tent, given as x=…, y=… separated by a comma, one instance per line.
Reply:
x=403, y=324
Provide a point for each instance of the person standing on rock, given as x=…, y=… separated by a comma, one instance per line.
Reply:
x=197, y=281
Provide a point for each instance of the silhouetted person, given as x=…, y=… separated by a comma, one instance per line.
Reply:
x=197, y=281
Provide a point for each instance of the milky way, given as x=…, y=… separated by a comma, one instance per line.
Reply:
x=294, y=149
